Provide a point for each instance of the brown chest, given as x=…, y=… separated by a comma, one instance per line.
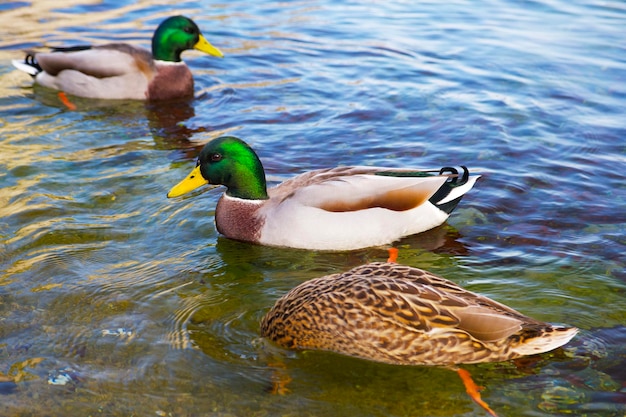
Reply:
x=170, y=82
x=238, y=220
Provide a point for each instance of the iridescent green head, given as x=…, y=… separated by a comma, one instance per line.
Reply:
x=177, y=34
x=227, y=161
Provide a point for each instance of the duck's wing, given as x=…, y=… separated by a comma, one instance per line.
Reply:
x=110, y=60
x=428, y=303
x=346, y=189
x=419, y=300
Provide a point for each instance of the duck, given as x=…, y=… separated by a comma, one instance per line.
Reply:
x=401, y=315
x=340, y=208
x=122, y=71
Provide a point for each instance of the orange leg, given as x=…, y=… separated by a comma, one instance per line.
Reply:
x=66, y=101
x=473, y=390
x=280, y=379
x=393, y=255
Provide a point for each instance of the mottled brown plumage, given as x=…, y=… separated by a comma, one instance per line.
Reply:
x=402, y=315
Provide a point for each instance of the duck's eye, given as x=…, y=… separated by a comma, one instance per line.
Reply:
x=216, y=157
x=189, y=30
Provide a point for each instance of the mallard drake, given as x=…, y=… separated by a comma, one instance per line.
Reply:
x=401, y=315
x=341, y=208
x=122, y=71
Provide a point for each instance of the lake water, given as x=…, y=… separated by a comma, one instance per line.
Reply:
x=117, y=301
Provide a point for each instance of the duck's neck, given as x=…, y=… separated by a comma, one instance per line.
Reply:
x=248, y=183
x=164, y=47
x=162, y=53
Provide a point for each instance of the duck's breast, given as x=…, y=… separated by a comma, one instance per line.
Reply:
x=238, y=219
x=171, y=80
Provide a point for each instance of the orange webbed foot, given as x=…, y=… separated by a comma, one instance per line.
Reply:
x=66, y=101
x=473, y=391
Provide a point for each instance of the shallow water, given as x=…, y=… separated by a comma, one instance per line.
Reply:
x=115, y=300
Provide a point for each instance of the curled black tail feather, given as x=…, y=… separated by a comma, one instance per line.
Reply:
x=32, y=61
x=455, y=181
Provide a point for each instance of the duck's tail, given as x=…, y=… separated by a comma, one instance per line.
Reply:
x=551, y=338
x=29, y=65
x=451, y=192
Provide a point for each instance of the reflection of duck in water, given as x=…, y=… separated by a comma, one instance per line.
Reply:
x=443, y=239
x=401, y=315
x=341, y=208
x=122, y=71
x=166, y=121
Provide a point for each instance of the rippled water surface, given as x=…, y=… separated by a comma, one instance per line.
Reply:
x=117, y=301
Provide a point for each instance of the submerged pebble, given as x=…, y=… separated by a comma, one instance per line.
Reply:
x=63, y=377
x=119, y=332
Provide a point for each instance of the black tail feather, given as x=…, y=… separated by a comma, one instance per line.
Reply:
x=32, y=61
x=455, y=181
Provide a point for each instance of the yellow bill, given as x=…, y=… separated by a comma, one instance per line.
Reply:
x=204, y=46
x=190, y=183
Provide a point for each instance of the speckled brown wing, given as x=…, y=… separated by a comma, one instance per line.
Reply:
x=398, y=314
x=440, y=322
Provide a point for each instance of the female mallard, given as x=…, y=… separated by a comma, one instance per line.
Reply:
x=341, y=208
x=122, y=71
x=400, y=315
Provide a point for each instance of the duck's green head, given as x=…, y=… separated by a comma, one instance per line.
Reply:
x=177, y=34
x=227, y=161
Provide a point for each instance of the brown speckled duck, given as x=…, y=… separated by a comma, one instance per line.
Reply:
x=123, y=71
x=401, y=315
x=341, y=208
